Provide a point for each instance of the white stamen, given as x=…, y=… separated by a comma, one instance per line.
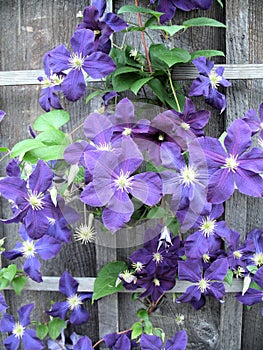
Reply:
x=207, y=226
x=74, y=302
x=123, y=182
x=231, y=163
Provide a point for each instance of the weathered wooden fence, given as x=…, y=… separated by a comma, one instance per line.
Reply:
x=29, y=29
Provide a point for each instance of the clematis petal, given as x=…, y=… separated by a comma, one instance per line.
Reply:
x=74, y=85
x=59, y=309
x=32, y=269
x=24, y=314
x=238, y=138
x=30, y=340
x=67, y=284
x=82, y=41
x=83, y=343
x=114, y=221
x=98, y=65
x=12, y=342
x=79, y=316
x=41, y=178
x=59, y=59
x=147, y=187
x=47, y=247
x=192, y=293
x=150, y=342
x=177, y=342
x=249, y=183
x=189, y=271
x=7, y=323
x=221, y=186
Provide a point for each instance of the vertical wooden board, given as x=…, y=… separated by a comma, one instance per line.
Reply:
x=243, y=45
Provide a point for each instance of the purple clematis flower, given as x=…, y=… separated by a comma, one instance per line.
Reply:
x=117, y=341
x=69, y=286
x=46, y=247
x=83, y=343
x=253, y=295
x=102, y=28
x=81, y=62
x=51, y=86
x=161, y=250
x=233, y=165
x=19, y=331
x=255, y=122
x=2, y=114
x=32, y=204
x=255, y=257
x=209, y=236
x=152, y=342
x=207, y=83
x=208, y=282
x=168, y=7
x=187, y=183
x=184, y=126
x=113, y=182
x=156, y=283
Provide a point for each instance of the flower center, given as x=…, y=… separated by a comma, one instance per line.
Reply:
x=188, y=175
x=123, y=182
x=138, y=266
x=231, y=163
x=237, y=254
x=57, y=79
x=76, y=61
x=36, y=200
x=239, y=272
x=46, y=82
x=74, y=302
x=156, y=282
x=28, y=249
x=185, y=126
x=103, y=146
x=215, y=79
x=18, y=330
x=203, y=285
x=157, y=257
x=85, y=233
x=258, y=259
x=127, y=131
x=128, y=277
x=207, y=227
x=206, y=258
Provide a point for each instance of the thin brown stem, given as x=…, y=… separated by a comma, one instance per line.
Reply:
x=143, y=39
x=102, y=340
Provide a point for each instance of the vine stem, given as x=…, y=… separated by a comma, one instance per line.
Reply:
x=143, y=40
x=173, y=90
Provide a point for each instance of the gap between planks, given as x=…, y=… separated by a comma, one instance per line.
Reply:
x=232, y=71
x=86, y=284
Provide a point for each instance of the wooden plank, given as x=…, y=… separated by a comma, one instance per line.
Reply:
x=86, y=284
x=232, y=72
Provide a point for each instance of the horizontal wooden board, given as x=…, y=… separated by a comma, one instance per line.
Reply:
x=86, y=284
x=232, y=71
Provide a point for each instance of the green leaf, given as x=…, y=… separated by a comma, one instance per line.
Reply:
x=142, y=314
x=53, y=137
x=105, y=283
x=9, y=272
x=229, y=277
x=171, y=30
x=124, y=82
x=156, y=213
x=24, y=146
x=3, y=283
x=206, y=53
x=18, y=284
x=124, y=70
x=173, y=225
x=159, y=52
x=42, y=331
x=138, y=9
x=158, y=89
x=136, y=330
x=138, y=84
x=55, y=326
x=148, y=327
x=203, y=22
x=51, y=120
x=45, y=153
x=4, y=149
x=252, y=268
x=220, y=3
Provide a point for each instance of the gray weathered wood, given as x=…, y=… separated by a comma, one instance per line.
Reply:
x=232, y=72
